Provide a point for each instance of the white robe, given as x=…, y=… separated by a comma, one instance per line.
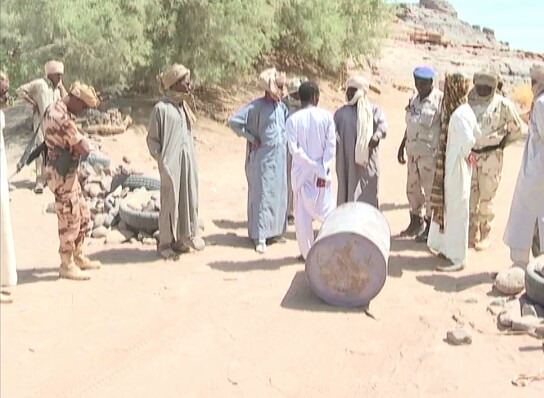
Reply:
x=7, y=249
x=528, y=202
x=311, y=136
x=463, y=131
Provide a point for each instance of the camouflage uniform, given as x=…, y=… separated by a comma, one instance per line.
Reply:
x=422, y=136
x=72, y=212
x=497, y=118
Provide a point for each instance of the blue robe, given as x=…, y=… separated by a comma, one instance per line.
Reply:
x=266, y=166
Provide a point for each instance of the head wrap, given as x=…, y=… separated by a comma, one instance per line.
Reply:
x=85, y=93
x=456, y=89
x=483, y=78
x=365, y=118
x=537, y=74
x=54, y=68
x=167, y=80
x=424, y=72
x=269, y=80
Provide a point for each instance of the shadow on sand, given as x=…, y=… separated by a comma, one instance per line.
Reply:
x=230, y=224
x=126, y=256
x=232, y=239
x=37, y=275
x=418, y=258
x=24, y=184
x=253, y=265
x=300, y=297
x=394, y=206
x=452, y=284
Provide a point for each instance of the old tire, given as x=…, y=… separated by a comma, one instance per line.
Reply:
x=144, y=221
x=136, y=181
x=534, y=283
x=98, y=158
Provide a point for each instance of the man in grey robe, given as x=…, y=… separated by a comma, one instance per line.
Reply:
x=262, y=124
x=170, y=142
x=527, y=207
x=360, y=126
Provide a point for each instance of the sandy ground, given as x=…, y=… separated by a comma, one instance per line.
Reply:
x=228, y=322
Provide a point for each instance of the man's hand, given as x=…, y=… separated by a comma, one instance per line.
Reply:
x=321, y=183
x=400, y=154
x=256, y=144
x=81, y=148
x=471, y=160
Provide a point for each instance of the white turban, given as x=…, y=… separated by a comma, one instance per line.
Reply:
x=54, y=68
x=85, y=93
x=537, y=74
x=365, y=118
x=172, y=76
x=269, y=80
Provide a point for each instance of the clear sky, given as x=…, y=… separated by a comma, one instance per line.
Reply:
x=519, y=22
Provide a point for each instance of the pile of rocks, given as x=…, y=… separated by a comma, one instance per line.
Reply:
x=518, y=314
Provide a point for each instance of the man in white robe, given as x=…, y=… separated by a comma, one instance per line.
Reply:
x=448, y=234
x=170, y=142
x=7, y=249
x=527, y=207
x=311, y=136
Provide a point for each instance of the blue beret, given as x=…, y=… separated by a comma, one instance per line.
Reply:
x=424, y=72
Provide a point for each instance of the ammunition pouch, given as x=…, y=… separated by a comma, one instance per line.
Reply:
x=63, y=161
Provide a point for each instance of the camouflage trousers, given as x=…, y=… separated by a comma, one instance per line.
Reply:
x=71, y=208
x=419, y=183
x=486, y=177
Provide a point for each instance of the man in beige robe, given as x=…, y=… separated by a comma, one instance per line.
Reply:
x=170, y=142
x=41, y=93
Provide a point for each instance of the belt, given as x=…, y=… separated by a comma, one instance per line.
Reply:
x=490, y=148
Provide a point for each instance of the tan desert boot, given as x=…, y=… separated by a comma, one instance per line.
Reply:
x=84, y=262
x=68, y=270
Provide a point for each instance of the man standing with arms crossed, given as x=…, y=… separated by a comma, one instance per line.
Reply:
x=423, y=115
x=311, y=136
x=41, y=93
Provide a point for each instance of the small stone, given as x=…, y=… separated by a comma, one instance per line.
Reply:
x=510, y=281
x=50, y=208
x=142, y=235
x=499, y=301
x=99, y=206
x=459, y=337
x=512, y=311
x=140, y=189
x=149, y=241
x=116, y=237
x=125, y=192
x=117, y=192
x=99, y=220
x=494, y=310
x=108, y=220
x=526, y=324
x=95, y=190
x=149, y=207
x=105, y=182
x=100, y=232
x=126, y=160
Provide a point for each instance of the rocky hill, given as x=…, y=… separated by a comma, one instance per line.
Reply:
x=431, y=33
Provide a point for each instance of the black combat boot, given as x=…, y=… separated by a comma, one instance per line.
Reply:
x=422, y=237
x=415, y=226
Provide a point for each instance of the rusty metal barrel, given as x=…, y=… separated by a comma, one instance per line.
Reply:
x=347, y=265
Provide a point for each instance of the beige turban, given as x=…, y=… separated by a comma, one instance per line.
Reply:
x=537, y=74
x=171, y=77
x=365, y=118
x=53, y=68
x=85, y=93
x=270, y=79
x=486, y=78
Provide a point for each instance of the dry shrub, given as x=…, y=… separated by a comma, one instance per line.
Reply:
x=523, y=96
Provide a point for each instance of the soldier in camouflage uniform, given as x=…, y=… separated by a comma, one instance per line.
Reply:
x=65, y=146
x=292, y=102
x=500, y=124
x=421, y=139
